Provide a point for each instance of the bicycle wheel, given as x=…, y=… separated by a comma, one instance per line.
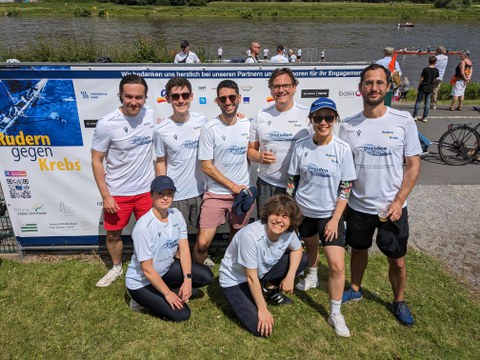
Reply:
x=459, y=145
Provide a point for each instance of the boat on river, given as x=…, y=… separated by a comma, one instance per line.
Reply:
x=424, y=52
x=406, y=25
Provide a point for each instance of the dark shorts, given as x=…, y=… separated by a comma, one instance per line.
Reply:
x=311, y=226
x=392, y=237
x=190, y=209
x=265, y=192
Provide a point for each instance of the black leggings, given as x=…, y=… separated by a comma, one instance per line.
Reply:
x=152, y=299
x=240, y=299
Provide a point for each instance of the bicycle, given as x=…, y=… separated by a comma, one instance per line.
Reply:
x=460, y=144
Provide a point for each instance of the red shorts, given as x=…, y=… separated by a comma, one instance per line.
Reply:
x=138, y=204
x=215, y=207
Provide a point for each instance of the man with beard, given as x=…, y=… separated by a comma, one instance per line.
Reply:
x=223, y=155
x=254, y=52
x=381, y=139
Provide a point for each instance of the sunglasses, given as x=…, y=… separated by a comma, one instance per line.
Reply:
x=318, y=119
x=223, y=99
x=175, y=97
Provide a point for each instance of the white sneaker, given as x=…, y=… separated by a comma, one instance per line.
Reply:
x=338, y=323
x=208, y=262
x=309, y=282
x=135, y=306
x=110, y=277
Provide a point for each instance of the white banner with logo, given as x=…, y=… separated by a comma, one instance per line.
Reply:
x=48, y=114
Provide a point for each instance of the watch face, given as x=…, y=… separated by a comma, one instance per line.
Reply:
x=188, y=276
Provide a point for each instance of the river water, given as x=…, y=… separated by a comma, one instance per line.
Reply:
x=343, y=41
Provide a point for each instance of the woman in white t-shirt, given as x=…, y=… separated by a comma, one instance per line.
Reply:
x=320, y=177
x=156, y=279
x=262, y=260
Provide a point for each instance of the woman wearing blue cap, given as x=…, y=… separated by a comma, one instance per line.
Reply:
x=156, y=279
x=320, y=177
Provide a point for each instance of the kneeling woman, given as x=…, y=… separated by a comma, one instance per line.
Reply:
x=320, y=174
x=156, y=279
x=262, y=260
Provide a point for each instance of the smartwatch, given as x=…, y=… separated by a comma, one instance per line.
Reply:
x=187, y=276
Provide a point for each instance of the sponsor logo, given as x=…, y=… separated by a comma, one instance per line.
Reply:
x=246, y=99
x=202, y=100
x=375, y=150
x=359, y=132
x=349, y=93
x=237, y=150
x=202, y=87
x=246, y=87
x=169, y=244
x=65, y=209
x=92, y=95
x=141, y=140
x=314, y=93
x=84, y=94
x=270, y=99
x=28, y=228
x=90, y=123
x=161, y=99
x=280, y=136
x=15, y=173
x=191, y=144
x=36, y=209
x=317, y=171
x=389, y=134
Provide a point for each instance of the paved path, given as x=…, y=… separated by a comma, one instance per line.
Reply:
x=444, y=207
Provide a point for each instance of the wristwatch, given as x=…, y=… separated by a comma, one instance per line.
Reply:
x=187, y=276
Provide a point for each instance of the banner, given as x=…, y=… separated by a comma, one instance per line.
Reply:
x=48, y=114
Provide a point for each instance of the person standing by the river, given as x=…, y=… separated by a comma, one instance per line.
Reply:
x=425, y=88
x=463, y=74
x=186, y=56
x=441, y=65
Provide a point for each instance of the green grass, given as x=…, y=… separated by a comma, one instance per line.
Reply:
x=332, y=10
x=52, y=310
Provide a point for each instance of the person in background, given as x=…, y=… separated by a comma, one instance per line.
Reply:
x=280, y=57
x=386, y=149
x=252, y=58
x=122, y=165
x=262, y=261
x=441, y=65
x=425, y=88
x=220, y=54
x=265, y=53
x=157, y=280
x=404, y=89
x=321, y=172
x=186, y=56
x=463, y=74
x=299, y=54
x=293, y=57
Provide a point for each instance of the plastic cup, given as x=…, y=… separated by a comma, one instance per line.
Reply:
x=273, y=148
x=382, y=205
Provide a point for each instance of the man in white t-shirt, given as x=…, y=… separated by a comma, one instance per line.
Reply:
x=441, y=65
x=122, y=165
x=252, y=58
x=223, y=154
x=381, y=139
x=186, y=56
x=299, y=54
x=220, y=54
x=176, y=147
x=280, y=57
x=265, y=53
x=273, y=134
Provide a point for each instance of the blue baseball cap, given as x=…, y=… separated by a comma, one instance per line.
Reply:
x=323, y=103
x=161, y=183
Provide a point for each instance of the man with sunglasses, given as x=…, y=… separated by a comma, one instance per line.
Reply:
x=223, y=154
x=382, y=139
x=273, y=133
x=254, y=52
x=176, y=147
x=186, y=56
x=122, y=165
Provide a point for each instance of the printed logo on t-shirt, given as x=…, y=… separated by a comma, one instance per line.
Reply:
x=375, y=150
x=237, y=150
x=224, y=137
x=190, y=144
x=269, y=122
x=141, y=140
x=332, y=157
x=359, y=132
x=170, y=244
x=125, y=129
x=317, y=171
x=175, y=136
x=280, y=136
x=389, y=134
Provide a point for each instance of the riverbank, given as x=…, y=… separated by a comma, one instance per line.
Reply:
x=400, y=12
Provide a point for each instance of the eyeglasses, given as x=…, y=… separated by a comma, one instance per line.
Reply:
x=176, y=97
x=370, y=83
x=279, y=86
x=318, y=119
x=223, y=99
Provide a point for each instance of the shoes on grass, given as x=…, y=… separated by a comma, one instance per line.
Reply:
x=135, y=306
x=337, y=321
x=350, y=295
x=208, y=262
x=275, y=297
x=402, y=313
x=309, y=282
x=112, y=275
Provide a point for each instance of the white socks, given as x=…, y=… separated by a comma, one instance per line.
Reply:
x=335, y=306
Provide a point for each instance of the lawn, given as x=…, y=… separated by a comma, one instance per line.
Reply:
x=52, y=310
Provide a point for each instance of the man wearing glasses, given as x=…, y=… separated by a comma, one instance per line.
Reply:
x=186, y=56
x=274, y=132
x=223, y=155
x=176, y=146
x=122, y=166
x=381, y=140
x=254, y=52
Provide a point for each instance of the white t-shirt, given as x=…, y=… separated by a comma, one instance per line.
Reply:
x=178, y=142
x=441, y=65
x=379, y=146
x=278, y=59
x=250, y=248
x=299, y=52
x=127, y=142
x=293, y=58
x=266, y=52
x=251, y=60
x=153, y=239
x=321, y=168
x=386, y=61
x=227, y=147
x=280, y=129
x=192, y=58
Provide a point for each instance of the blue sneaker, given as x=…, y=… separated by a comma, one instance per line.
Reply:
x=352, y=295
x=402, y=313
